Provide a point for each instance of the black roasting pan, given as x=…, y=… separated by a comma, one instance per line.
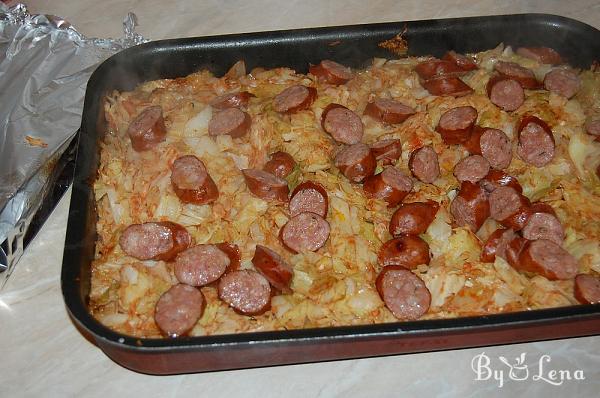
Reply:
x=353, y=46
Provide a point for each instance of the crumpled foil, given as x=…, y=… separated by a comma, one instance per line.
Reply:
x=45, y=64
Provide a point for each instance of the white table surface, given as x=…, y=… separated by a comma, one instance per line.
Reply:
x=42, y=354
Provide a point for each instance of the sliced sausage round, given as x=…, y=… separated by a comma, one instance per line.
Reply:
x=331, y=72
x=462, y=61
x=265, y=185
x=592, y=127
x=507, y=94
x=509, y=207
x=233, y=252
x=470, y=207
x=231, y=121
x=513, y=250
x=294, y=99
x=280, y=165
x=496, y=245
x=438, y=68
x=178, y=310
x=305, y=232
x=191, y=182
x=472, y=168
x=388, y=110
x=154, y=240
x=273, y=267
x=423, y=164
x=403, y=292
x=496, y=148
x=514, y=71
x=587, y=289
x=147, y=129
x=450, y=86
x=536, y=142
x=391, y=185
x=543, y=55
x=408, y=251
x=548, y=259
x=498, y=178
x=356, y=162
x=309, y=196
x=542, y=225
x=456, y=124
x=342, y=124
x=388, y=151
x=246, y=291
x=231, y=100
x=413, y=218
x=200, y=265
x=562, y=81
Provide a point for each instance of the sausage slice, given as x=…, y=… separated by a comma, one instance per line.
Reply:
x=154, y=240
x=592, y=127
x=147, y=129
x=273, y=267
x=509, y=207
x=472, y=168
x=464, y=62
x=536, y=142
x=388, y=111
x=342, y=124
x=388, y=151
x=543, y=225
x=246, y=291
x=191, y=182
x=178, y=310
x=548, y=259
x=305, y=232
x=233, y=252
x=294, y=99
x=280, y=165
x=543, y=55
x=587, y=289
x=231, y=121
x=265, y=185
x=403, y=293
x=200, y=265
x=423, y=164
x=391, y=185
x=506, y=93
x=408, y=251
x=231, y=100
x=498, y=178
x=562, y=81
x=413, y=218
x=496, y=245
x=331, y=72
x=356, y=162
x=456, y=124
x=470, y=207
x=309, y=196
x=438, y=68
x=514, y=249
x=514, y=71
x=449, y=86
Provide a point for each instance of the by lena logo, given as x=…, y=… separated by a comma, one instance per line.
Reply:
x=518, y=370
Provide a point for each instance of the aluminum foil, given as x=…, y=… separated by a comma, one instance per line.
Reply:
x=45, y=64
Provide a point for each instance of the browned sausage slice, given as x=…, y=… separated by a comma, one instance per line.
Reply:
x=505, y=93
x=592, y=127
x=498, y=178
x=231, y=100
x=408, y=251
x=587, y=289
x=438, y=68
x=178, y=310
x=356, y=162
x=562, y=81
x=305, y=232
x=514, y=71
x=294, y=99
x=403, y=293
x=265, y=185
x=509, y=207
x=513, y=250
x=544, y=55
x=450, y=86
x=413, y=218
x=470, y=207
x=536, y=142
x=496, y=245
x=388, y=151
x=233, y=252
x=331, y=72
x=472, y=168
x=423, y=164
x=147, y=129
x=342, y=124
x=462, y=61
x=200, y=265
x=391, y=185
x=191, y=182
x=548, y=259
x=231, y=121
x=154, y=240
x=543, y=225
x=388, y=111
x=246, y=291
x=280, y=165
x=273, y=267
x=496, y=148
x=456, y=124
x=309, y=196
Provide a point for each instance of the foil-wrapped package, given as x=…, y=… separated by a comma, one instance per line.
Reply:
x=45, y=64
